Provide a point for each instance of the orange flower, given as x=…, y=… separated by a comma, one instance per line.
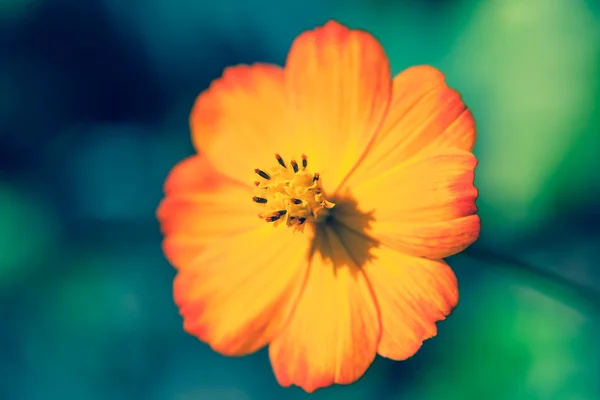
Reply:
x=362, y=183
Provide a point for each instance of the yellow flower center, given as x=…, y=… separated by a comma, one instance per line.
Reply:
x=290, y=194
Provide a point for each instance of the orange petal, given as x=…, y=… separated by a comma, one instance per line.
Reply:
x=240, y=121
x=333, y=333
x=201, y=206
x=424, y=113
x=412, y=293
x=238, y=292
x=425, y=207
x=338, y=86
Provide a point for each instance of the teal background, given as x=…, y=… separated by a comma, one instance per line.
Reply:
x=94, y=101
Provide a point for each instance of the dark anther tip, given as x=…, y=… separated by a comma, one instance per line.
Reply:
x=294, y=165
x=259, y=199
x=280, y=160
x=262, y=173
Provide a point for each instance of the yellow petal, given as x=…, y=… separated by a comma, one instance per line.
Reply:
x=240, y=121
x=237, y=294
x=201, y=206
x=413, y=294
x=424, y=113
x=338, y=87
x=333, y=333
x=424, y=208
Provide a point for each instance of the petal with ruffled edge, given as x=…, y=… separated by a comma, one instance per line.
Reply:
x=201, y=206
x=424, y=113
x=237, y=294
x=333, y=333
x=338, y=87
x=412, y=293
x=241, y=121
x=424, y=207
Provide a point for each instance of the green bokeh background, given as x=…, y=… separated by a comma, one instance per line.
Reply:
x=94, y=99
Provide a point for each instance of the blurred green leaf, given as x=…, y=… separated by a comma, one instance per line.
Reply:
x=517, y=344
x=531, y=70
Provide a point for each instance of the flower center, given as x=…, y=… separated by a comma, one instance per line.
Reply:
x=290, y=194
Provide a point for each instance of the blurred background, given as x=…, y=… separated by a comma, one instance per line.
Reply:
x=94, y=101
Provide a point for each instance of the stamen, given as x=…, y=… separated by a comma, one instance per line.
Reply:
x=294, y=165
x=280, y=160
x=262, y=173
x=292, y=196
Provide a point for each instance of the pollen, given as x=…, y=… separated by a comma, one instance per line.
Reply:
x=290, y=194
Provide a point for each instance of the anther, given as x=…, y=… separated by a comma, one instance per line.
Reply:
x=280, y=160
x=294, y=165
x=262, y=173
x=288, y=195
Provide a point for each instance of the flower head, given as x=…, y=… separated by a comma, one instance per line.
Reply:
x=362, y=185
